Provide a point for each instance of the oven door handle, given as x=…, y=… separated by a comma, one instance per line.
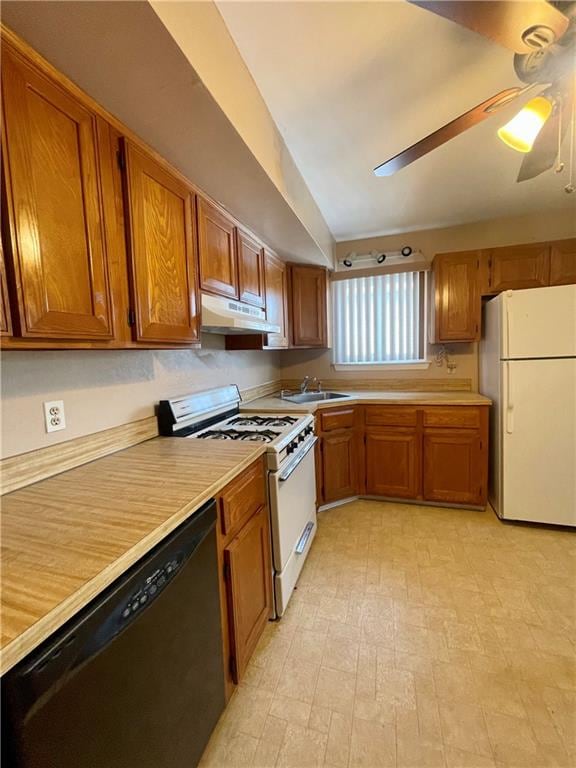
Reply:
x=285, y=474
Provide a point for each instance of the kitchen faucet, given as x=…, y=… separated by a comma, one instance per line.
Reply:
x=306, y=381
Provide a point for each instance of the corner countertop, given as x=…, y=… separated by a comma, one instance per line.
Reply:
x=67, y=538
x=273, y=403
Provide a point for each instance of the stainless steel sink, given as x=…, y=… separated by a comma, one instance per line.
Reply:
x=313, y=397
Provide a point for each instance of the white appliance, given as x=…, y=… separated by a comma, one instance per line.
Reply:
x=215, y=415
x=221, y=315
x=528, y=369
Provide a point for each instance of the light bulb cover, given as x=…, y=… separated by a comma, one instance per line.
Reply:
x=520, y=133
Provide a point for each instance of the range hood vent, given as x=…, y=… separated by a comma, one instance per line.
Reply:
x=220, y=315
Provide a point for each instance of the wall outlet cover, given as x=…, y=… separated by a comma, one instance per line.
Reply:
x=54, y=418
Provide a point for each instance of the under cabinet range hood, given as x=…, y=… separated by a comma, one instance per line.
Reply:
x=220, y=315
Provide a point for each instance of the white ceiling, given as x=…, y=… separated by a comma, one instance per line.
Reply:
x=350, y=84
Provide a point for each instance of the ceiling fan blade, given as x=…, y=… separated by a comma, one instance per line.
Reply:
x=449, y=131
x=544, y=152
x=505, y=23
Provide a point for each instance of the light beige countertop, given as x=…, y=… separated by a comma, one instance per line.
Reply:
x=67, y=538
x=274, y=403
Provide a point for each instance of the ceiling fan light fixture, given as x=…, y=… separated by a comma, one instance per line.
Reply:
x=521, y=132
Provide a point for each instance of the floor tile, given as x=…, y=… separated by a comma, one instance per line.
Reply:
x=417, y=638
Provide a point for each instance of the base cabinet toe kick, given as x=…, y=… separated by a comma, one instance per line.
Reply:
x=435, y=454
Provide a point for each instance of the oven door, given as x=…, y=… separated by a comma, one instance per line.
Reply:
x=293, y=516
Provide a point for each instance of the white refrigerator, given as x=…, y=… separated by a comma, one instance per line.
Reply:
x=528, y=369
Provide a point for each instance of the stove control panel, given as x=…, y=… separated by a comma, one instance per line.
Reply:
x=299, y=439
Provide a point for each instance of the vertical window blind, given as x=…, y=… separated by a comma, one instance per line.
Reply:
x=379, y=319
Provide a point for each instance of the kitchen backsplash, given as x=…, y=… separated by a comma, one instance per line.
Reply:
x=104, y=389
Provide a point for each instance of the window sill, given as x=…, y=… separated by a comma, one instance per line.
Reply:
x=421, y=365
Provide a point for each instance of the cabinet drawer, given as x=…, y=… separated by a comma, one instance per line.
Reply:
x=337, y=419
x=391, y=416
x=460, y=416
x=242, y=498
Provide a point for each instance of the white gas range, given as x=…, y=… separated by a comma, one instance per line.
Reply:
x=215, y=415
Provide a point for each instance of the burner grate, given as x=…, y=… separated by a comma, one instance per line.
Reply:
x=262, y=436
x=263, y=421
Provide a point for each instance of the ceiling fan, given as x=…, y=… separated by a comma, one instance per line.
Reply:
x=542, y=35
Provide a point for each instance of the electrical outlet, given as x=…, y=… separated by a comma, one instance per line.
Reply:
x=54, y=418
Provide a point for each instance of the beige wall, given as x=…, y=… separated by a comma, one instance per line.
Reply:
x=548, y=225
x=203, y=37
x=506, y=231
x=108, y=388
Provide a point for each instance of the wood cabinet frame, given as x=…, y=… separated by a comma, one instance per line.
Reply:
x=107, y=134
x=400, y=434
x=251, y=282
x=243, y=521
x=308, y=319
x=73, y=129
x=145, y=230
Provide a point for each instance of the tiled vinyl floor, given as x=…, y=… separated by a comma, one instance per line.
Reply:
x=418, y=637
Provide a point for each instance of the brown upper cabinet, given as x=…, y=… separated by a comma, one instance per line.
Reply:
x=308, y=305
x=276, y=299
x=162, y=251
x=518, y=266
x=5, y=319
x=250, y=269
x=53, y=191
x=456, y=296
x=218, y=253
x=563, y=262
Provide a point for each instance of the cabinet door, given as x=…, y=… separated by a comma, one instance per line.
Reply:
x=339, y=465
x=276, y=299
x=218, y=255
x=518, y=266
x=54, y=202
x=457, y=306
x=5, y=320
x=453, y=464
x=308, y=287
x=393, y=462
x=563, y=262
x=162, y=251
x=250, y=269
x=249, y=588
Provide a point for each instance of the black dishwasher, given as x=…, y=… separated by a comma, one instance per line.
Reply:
x=136, y=679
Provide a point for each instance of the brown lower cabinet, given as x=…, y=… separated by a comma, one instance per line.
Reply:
x=337, y=452
x=453, y=467
x=339, y=465
x=393, y=462
x=427, y=453
x=243, y=537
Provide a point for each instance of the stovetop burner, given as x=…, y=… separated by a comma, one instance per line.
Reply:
x=262, y=436
x=263, y=421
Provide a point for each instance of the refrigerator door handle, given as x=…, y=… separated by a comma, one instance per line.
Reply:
x=508, y=310
x=509, y=402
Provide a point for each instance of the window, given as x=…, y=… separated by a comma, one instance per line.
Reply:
x=380, y=320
